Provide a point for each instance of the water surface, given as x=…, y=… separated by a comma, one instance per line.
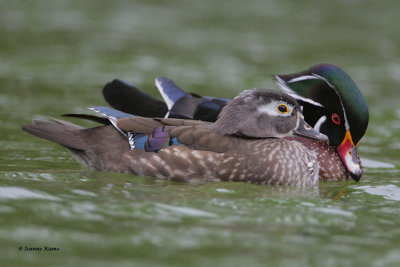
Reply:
x=55, y=56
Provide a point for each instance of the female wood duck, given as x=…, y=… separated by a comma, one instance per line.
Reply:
x=329, y=98
x=245, y=143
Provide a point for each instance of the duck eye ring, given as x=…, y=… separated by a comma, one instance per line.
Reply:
x=335, y=118
x=282, y=108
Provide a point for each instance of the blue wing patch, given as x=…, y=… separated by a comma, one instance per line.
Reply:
x=169, y=91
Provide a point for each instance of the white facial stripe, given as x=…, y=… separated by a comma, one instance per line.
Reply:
x=318, y=124
x=346, y=123
x=272, y=109
x=308, y=100
x=302, y=78
x=325, y=80
x=286, y=89
x=289, y=91
x=282, y=84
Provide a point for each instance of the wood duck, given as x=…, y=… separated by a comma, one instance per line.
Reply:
x=329, y=98
x=245, y=143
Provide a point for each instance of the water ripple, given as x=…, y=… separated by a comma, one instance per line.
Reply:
x=335, y=211
x=223, y=190
x=389, y=191
x=84, y=193
x=13, y=192
x=374, y=164
x=186, y=211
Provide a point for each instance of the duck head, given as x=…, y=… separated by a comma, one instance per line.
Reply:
x=261, y=113
x=333, y=104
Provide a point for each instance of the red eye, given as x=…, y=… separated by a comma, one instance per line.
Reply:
x=335, y=118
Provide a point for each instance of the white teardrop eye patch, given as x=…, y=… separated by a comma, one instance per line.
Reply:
x=276, y=108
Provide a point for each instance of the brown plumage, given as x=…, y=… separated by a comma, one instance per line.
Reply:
x=198, y=151
x=331, y=166
x=215, y=157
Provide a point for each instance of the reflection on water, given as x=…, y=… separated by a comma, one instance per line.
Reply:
x=185, y=211
x=390, y=191
x=12, y=192
x=375, y=164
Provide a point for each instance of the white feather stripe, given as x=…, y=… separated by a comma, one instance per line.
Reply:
x=324, y=79
x=303, y=78
x=318, y=124
x=304, y=99
x=283, y=85
x=346, y=122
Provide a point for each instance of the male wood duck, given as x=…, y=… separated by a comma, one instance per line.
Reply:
x=329, y=98
x=245, y=143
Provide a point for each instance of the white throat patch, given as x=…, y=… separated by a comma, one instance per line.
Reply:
x=318, y=124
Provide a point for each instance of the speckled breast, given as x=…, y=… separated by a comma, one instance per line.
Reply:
x=331, y=166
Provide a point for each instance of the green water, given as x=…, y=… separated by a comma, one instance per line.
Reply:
x=55, y=56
